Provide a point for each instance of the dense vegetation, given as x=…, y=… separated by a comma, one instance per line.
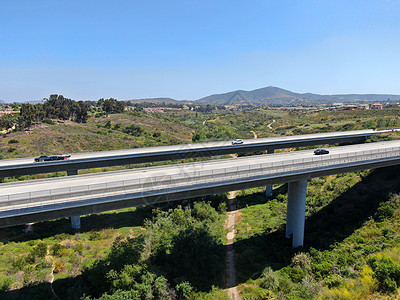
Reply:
x=352, y=238
x=175, y=253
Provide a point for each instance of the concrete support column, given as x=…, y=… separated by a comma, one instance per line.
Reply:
x=296, y=210
x=72, y=172
x=268, y=191
x=75, y=220
x=268, y=188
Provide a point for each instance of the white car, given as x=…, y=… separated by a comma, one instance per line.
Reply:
x=237, y=142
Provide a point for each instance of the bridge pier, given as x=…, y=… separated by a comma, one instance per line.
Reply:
x=75, y=220
x=296, y=209
x=72, y=172
x=268, y=191
x=268, y=188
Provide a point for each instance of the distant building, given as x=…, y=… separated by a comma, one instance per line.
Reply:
x=159, y=109
x=392, y=105
x=154, y=109
x=376, y=106
x=11, y=112
x=363, y=106
x=349, y=107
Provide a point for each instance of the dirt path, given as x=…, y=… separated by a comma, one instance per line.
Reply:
x=49, y=258
x=269, y=125
x=233, y=292
x=254, y=133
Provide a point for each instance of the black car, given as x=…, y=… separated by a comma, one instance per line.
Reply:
x=321, y=151
x=51, y=158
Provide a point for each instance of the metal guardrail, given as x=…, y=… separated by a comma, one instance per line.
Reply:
x=186, y=178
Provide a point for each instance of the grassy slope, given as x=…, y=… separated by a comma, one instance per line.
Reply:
x=70, y=137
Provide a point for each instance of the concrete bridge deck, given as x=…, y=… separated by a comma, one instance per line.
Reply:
x=37, y=200
x=25, y=166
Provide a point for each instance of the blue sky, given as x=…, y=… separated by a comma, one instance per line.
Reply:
x=190, y=49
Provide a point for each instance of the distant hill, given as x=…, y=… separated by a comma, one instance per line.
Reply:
x=277, y=96
x=266, y=96
x=158, y=101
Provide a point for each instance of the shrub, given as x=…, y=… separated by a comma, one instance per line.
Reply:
x=94, y=235
x=58, y=266
x=79, y=248
x=41, y=250
x=302, y=261
x=57, y=249
x=5, y=283
x=184, y=289
x=387, y=273
x=269, y=280
x=322, y=269
x=13, y=141
x=99, y=114
x=222, y=207
x=333, y=280
x=385, y=210
x=48, y=121
x=204, y=211
x=295, y=274
x=133, y=130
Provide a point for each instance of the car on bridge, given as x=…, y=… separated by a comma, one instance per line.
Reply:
x=237, y=142
x=52, y=157
x=321, y=151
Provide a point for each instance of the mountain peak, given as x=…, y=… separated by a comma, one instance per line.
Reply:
x=272, y=95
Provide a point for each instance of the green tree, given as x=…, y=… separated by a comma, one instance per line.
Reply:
x=133, y=130
x=112, y=105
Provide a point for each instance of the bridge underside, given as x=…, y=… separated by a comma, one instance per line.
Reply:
x=297, y=190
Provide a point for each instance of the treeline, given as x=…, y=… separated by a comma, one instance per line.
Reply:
x=56, y=107
x=59, y=107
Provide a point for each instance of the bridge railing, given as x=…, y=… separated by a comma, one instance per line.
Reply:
x=185, y=178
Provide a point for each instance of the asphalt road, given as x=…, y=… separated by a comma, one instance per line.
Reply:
x=138, y=151
x=46, y=199
x=205, y=170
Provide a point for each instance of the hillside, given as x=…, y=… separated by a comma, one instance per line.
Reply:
x=158, y=100
x=277, y=96
x=118, y=131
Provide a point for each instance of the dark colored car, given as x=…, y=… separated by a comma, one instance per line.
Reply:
x=51, y=158
x=321, y=151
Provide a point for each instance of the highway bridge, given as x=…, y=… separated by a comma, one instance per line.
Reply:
x=26, y=166
x=46, y=199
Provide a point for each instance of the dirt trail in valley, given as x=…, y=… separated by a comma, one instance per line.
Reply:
x=233, y=214
x=51, y=275
x=233, y=292
x=269, y=125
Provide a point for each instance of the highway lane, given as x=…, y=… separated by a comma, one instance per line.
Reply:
x=141, y=173
x=23, y=166
x=92, y=187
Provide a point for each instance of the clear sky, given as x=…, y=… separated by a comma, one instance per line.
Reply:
x=91, y=49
